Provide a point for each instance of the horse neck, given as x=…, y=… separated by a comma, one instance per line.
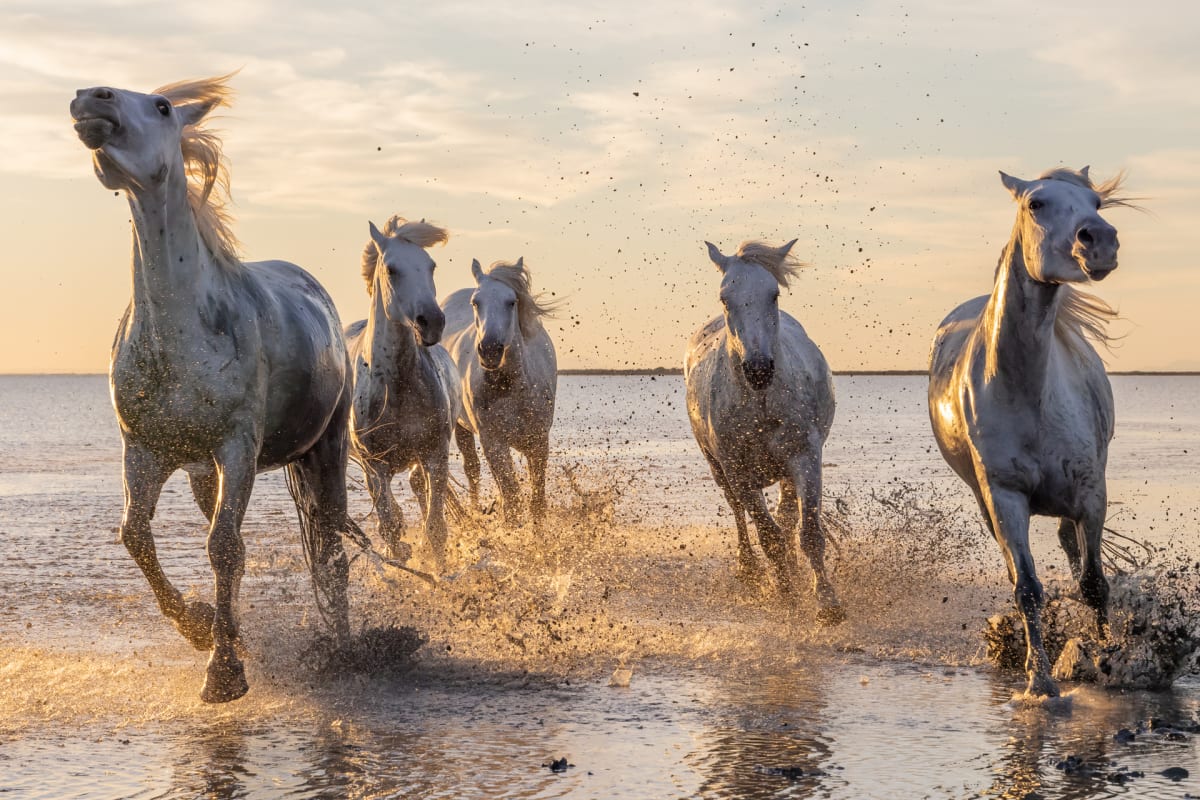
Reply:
x=1019, y=324
x=392, y=345
x=171, y=264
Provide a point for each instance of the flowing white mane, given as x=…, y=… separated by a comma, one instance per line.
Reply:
x=205, y=166
x=782, y=268
x=418, y=232
x=530, y=307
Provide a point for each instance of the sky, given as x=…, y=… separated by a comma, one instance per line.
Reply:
x=606, y=142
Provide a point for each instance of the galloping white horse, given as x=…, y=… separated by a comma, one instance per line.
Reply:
x=760, y=398
x=509, y=380
x=219, y=368
x=406, y=395
x=1019, y=400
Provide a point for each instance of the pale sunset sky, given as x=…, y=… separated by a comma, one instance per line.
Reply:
x=604, y=142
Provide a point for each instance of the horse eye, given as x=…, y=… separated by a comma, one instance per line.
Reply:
x=1034, y=205
x=163, y=107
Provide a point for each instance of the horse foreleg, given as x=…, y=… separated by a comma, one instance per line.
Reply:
x=225, y=678
x=500, y=460
x=1092, y=584
x=465, y=440
x=538, y=455
x=787, y=513
x=388, y=516
x=807, y=475
x=437, y=480
x=144, y=476
x=749, y=569
x=1009, y=512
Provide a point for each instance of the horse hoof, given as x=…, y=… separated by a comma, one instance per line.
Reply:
x=831, y=615
x=1041, y=686
x=224, y=681
x=196, y=624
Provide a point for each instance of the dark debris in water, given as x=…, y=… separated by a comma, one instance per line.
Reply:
x=558, y=764
x=791, y=773
x=385, y=650
x=1174, y=773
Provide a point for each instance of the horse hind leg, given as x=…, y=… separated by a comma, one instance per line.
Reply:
x=144, y=476
x=776, y=544
x=204, y=491
x=1068, y=538
x=1092, y=584
x=787, y=513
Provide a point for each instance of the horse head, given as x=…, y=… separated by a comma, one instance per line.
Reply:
x=400, y=273
x=750, y=297
x=135, y=138
x=1063, y=237
x=497, y=314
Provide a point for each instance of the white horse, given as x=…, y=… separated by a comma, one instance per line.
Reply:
x=1020, y=404
x=760, y=398
x=219, y=368
x=406, y=395
x=509, y=379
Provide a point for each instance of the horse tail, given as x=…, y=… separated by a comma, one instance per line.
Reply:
x=317, y=544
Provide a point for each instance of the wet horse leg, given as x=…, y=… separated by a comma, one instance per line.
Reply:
x=1009, y=512
x=775, y=542
x=388, y=516
x=538, y=454
x=225, y=678
x=144, y=476
x=431, y=481
x=500, y=461
x=1092, y=584
x=749, y=568
x=1068, y=537
x=465, y=440
x=204, y=490
x=787, y=513
x=806, y=472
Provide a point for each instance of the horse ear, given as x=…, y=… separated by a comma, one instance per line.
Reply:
x=476, y=270
x=721, y=261
x=1084, y=173
x=521, y=262
x=1015, y=186
x=787, y=248
x=192, y=113
x=377, y=237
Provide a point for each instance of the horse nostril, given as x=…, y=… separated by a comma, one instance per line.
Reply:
x=1085, y=236
x=421, y=321
x=102, y=94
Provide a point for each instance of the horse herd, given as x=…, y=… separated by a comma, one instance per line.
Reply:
x=225, y=369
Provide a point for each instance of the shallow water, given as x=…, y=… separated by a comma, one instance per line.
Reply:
x=731, y=695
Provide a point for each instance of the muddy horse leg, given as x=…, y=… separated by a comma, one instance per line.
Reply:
x=144, y=475
x=749, y=569
x=465, y=440
x=390, y=519
x=225, y=678
x=1092, y=585
x=775, y=542
x=500, y=461
x=806, y=472
x=1009, y=512
x=538, y=455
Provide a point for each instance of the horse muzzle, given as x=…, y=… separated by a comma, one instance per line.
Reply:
x=759, y=372
x=491, y=354
x=430, y=326
x=1095, y=250
x=95, y=117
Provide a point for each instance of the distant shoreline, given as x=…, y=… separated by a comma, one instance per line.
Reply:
x=664, y=371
